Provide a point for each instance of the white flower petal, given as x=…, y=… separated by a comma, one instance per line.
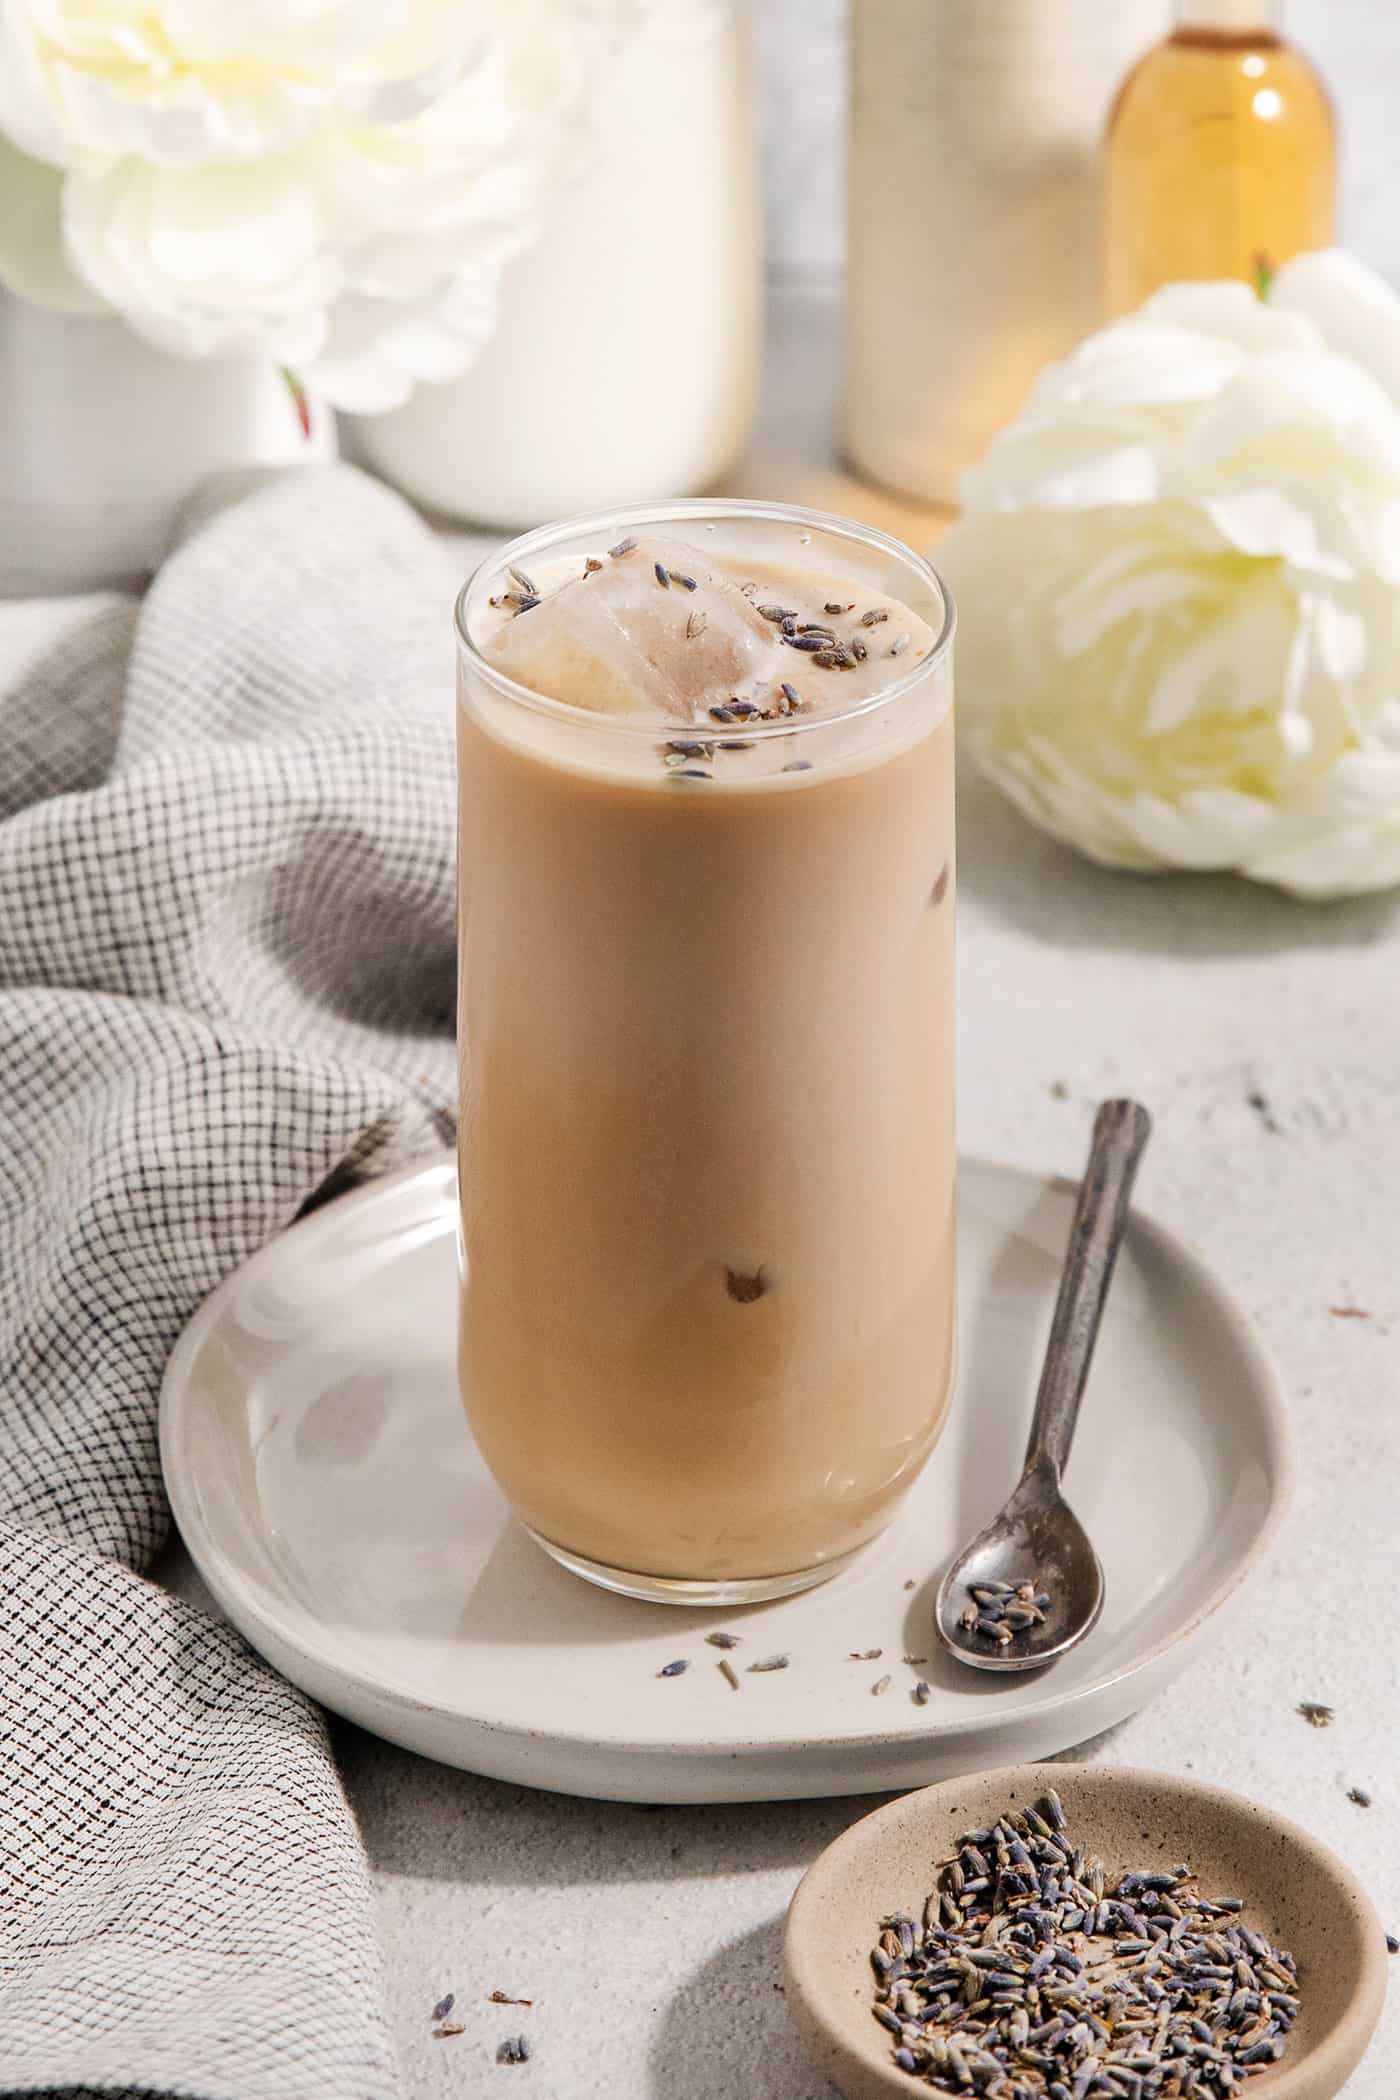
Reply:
x=1206, y=828
x=33, y=263
x=1229, y=312
x=1317, y=399
x=376, y=352
x=1062, y=470
x=1342, y=640
x=1352, y=308
x=28, y=116
x=1136, y=364
x=1268, y=522
x=202, y=260
x=1298, y=735
x=198, y=77
x=1208, y=679
x=1111, y=594
x=233, y=174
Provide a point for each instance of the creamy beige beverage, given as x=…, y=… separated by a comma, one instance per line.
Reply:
x=707, y=1151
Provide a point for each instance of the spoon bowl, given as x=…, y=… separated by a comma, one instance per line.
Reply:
x=1036, y=1538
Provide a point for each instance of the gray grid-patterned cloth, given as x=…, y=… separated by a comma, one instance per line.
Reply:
x=226, y=982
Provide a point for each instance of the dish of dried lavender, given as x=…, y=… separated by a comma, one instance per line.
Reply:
x=1030, y=1977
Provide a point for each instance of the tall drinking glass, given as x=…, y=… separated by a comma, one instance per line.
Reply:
x=706, y=1041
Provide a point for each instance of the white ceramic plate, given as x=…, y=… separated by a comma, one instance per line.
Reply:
x=327, y=1488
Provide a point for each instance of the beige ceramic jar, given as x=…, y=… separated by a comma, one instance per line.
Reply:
x=973, y=243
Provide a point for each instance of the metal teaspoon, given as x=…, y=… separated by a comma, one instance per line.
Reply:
x=1037, y=1533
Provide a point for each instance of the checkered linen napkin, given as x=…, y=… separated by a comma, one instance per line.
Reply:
x=226, y=983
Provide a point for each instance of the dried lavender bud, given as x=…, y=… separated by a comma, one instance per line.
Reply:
x=444, y=2006
x=723, y=1640
x=769, y=1662
x=513, y=2050
x=1315, y=1715
x=873, y=618
x=659, y=572
x=519, y=578
x=627, y=546
x=993, y=1997
x=677, y=1668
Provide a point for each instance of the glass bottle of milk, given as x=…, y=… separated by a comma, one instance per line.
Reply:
x=626, y=357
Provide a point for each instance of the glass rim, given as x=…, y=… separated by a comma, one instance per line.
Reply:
x=607, y=522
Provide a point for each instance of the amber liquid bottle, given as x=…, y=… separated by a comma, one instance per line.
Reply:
x=1221, y=155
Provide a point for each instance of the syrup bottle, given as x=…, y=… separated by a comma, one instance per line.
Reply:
x=1221, y=155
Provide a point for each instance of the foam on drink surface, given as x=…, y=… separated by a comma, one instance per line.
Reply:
x=658, y=631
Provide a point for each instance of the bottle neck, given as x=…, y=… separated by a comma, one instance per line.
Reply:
x=1231, y=16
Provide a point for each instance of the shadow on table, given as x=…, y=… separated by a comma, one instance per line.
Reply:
x=430, y=1821
x=726, y=2030
x=1020, y=875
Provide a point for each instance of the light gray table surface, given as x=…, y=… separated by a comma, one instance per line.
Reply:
x=1265, y=1037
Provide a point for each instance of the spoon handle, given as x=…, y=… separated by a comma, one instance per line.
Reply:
x=1121, y=1131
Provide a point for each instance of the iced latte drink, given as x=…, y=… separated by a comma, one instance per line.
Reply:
x=706, y=1038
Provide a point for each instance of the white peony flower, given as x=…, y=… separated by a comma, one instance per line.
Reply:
x=1178, y=579
x=335, y=181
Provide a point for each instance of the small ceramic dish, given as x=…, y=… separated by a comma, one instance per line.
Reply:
x=1295, y=1891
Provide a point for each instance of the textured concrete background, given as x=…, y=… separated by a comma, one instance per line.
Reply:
x=1356, y=43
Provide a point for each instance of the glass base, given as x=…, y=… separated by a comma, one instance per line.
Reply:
x=675, y=1589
